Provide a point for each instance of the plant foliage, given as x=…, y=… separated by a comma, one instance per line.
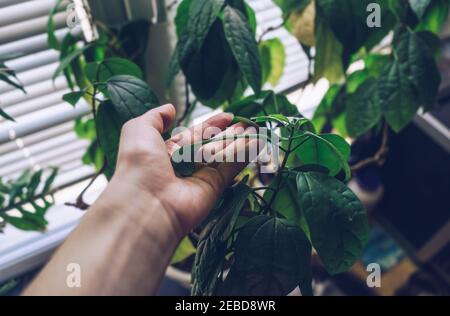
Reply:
x=258, y=240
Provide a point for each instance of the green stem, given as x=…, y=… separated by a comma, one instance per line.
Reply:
x=280, y=172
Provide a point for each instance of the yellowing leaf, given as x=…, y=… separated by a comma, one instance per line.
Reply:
x=303, y=24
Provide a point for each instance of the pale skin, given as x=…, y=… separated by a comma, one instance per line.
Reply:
x=126, y=240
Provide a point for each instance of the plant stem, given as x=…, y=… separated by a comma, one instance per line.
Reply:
x=273, y=28
x=79, y=202
x=380, y=155
x=280, y=172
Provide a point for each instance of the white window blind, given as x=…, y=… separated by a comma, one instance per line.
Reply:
x=42, y=135
x=296, y=67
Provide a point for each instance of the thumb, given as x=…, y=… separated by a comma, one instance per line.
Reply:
x=161, y=118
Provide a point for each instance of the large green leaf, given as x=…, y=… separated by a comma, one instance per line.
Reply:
x=363, y=109
x=399, y=98
x=243, y=45
x=417, y=63
x=272, y=257
x=212, y=72
x=212, y=246
x=131, y=96
x=202, y=15
x=273, y=59
x=336, y=219
x=328, y=150
x=348, y=20
x=104, y=70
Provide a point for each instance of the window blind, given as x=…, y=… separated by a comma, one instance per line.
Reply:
x=42, y=135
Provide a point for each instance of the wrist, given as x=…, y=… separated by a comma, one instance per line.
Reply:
x=125, y=204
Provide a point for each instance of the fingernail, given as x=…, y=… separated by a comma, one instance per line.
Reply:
x=229, y=115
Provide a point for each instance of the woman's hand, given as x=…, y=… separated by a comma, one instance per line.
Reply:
x=144, y=164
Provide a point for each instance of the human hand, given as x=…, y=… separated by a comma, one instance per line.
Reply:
x=144, y=165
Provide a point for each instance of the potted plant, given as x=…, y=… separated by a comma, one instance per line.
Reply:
x=259, y=238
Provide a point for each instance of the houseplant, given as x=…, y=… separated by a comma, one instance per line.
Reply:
x=258, y=239
x=30, y=194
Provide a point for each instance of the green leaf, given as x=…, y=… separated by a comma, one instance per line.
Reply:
x=417, y=63
x=419, y=6
x=184, y=250
x=244, y=46
x=336, y=219
x=328, y=61
x=212, y=246
x=49, y=181
x=110, y=68
x=64, y=63
x=329, y=108
x=273, y=59
x=35, y=180
x=363, y=109
x=266, y=103
x=327, y=150
x=399, y=98
x=435, y=16
x=182, y=17
x=109, y=124
x=51, y=37
x=6, y=115
x=73, y=97
x=131, y=96
x=24, y=223
x=272, y=257
x=212, y=72
x=202, y=15
x=8, y=76
x=286, y=202
x=348, y=21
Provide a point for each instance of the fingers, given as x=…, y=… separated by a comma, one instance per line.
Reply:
x=236, y=156
x=209, y=151
x=161, y=118
x=205, y=130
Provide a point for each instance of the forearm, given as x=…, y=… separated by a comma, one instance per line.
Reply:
x=122, y=245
